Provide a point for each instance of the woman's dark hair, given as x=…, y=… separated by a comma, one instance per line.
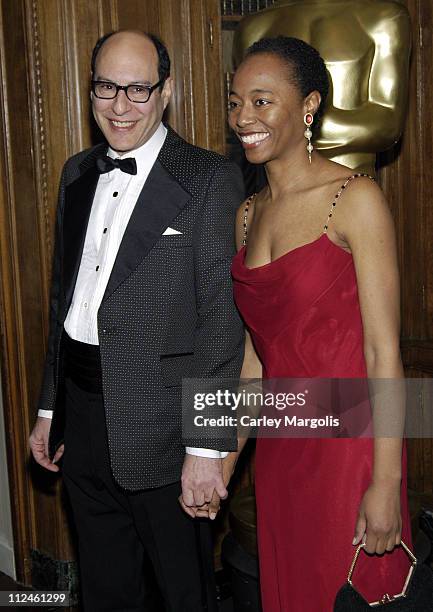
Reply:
x=307, y=68
x=163, y=56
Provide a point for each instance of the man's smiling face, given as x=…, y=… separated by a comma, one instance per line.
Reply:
x=129, y=58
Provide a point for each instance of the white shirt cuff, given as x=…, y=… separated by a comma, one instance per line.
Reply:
x=206, y=452
x=47, y=414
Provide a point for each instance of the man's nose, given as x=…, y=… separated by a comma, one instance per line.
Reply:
x=121, y=103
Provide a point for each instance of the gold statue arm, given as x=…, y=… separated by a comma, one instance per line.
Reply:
x=367, y=129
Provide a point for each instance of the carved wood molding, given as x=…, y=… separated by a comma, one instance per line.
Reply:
x=37, y=108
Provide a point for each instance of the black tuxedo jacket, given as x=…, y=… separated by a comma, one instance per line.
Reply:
x=168, y=309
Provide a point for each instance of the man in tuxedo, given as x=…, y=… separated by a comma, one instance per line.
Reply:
x=141, y=297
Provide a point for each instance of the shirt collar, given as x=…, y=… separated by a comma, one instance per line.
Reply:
x=148, y=152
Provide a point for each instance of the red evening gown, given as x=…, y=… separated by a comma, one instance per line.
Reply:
x=303, y=313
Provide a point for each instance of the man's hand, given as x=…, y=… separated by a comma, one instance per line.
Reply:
x=211, y=510
x=201, y=476
x=39, y=445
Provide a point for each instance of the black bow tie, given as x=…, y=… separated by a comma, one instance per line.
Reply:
x=106, y=164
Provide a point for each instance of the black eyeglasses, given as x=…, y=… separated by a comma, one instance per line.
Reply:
x=135, y=93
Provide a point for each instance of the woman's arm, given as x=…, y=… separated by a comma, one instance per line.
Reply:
x=366, y=225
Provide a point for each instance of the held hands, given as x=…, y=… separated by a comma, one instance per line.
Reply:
x=200, y=477
x=379, y=520
x=197, y=484
x=38, y=442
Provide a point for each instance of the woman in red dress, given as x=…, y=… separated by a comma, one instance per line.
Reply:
x=316, y=281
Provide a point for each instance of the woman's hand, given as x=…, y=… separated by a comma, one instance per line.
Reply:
x=379, y=520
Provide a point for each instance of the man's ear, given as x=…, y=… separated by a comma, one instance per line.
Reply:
x=167, y=91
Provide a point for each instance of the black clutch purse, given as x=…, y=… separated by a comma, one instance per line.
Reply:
x=416, y=595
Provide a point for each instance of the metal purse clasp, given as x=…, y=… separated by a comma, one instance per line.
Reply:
x=386, y=599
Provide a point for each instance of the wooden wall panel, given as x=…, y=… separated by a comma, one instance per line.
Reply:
x=21, y=331
x=406, y=176
x=207, y=79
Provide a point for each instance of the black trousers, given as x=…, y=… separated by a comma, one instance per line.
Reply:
x=118, y=530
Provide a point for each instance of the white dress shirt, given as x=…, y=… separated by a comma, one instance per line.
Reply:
x=115, y=198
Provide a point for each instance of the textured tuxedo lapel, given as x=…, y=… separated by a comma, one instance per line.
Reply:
x=160, y=201
x=78, y=203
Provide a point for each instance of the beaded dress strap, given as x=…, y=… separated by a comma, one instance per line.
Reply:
x=342, y=188
x=246, y=209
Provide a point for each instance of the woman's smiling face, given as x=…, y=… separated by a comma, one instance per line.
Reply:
x=266, y=110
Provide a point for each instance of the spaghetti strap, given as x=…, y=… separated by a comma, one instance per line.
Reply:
x=246, y=209
x=340, y=191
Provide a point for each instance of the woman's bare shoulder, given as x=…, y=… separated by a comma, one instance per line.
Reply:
x=362, y=208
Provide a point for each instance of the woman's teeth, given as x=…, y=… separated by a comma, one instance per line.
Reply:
x=254, y=138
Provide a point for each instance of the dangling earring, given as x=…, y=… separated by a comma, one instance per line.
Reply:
x=308, y=120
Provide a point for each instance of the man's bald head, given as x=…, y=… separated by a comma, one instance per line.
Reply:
x=134, y=38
